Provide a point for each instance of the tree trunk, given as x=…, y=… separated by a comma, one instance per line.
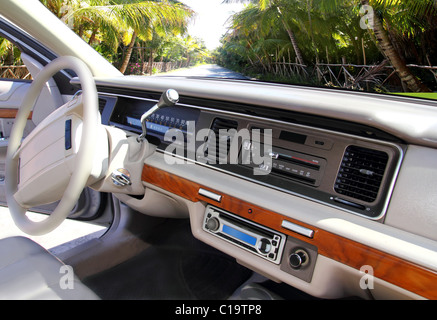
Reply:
x=10, y=61
x=293, y=42
x=151, y=62
x=188, y=59
x=80, y=33
x=93, y=36
x=128, y=53
x=386, y=47
x=258, y=57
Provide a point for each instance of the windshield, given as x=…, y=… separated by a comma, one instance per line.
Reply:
x=383, y=46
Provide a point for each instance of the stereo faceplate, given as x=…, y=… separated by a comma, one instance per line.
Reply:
x=259, y=240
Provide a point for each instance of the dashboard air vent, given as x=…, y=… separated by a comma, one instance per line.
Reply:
x=219, y=140
x=361, y=173
x=102, y=104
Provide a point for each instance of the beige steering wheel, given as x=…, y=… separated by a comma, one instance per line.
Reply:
x=55, y=160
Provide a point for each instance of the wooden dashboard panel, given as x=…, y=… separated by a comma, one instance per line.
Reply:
x=11, y=113
x=392, y=269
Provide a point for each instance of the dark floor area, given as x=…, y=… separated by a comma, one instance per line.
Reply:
x=175, y=266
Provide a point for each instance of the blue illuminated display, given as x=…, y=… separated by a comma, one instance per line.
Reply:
x=157, y=127
x=239, y=235
x=133, y=122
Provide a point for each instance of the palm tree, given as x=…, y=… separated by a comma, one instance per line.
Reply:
x=388, y=49
x=163, y=17
x=247, y=29
x=408, y=10
x=393, y=19
x=190, y=45
x=112, y=18
x=278, y=10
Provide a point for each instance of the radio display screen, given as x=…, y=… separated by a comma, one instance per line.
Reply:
x=239, y=235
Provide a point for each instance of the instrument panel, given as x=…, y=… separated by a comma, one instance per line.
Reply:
x=339, y=169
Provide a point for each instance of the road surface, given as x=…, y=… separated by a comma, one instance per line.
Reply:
x=208, y=70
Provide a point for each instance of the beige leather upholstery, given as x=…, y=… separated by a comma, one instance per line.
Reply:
x=28, y=271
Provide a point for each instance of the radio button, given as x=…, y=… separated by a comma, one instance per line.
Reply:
x=264, y=246
x=212, y=224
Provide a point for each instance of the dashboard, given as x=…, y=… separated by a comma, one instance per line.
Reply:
x=349, y=172
x=302, y=197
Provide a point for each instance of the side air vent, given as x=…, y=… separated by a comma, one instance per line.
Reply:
x=361, y=173
x=219, y=140
x=102, y=104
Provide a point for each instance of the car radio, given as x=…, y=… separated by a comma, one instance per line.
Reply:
x=262, y=241
x=286, y=163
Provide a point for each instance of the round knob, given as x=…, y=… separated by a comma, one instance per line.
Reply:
x=298, y=258
x=212, y=224
x=264, y=246
x=172, y=96
x=168, y=99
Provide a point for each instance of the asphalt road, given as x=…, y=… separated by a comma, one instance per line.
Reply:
x=208, y=70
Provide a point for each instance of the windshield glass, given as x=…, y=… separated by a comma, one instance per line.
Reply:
x=383, y=46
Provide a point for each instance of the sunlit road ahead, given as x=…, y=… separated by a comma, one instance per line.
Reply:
x=209, y=70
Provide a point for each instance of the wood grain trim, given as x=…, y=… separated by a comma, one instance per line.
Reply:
x=11, y=114
x=392, y=269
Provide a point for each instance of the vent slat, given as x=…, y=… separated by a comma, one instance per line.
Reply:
x=222, y=141
x=361, y=172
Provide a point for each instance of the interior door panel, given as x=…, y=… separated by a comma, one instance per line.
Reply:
x=11, y=96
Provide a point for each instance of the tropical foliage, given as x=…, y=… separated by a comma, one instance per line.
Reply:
x=114, y=27
x=9, y=54
x=125, y=31
x=266, y=36
x=308, y=32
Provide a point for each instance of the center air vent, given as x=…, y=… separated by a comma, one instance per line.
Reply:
x=361, y=173
x=219, y=140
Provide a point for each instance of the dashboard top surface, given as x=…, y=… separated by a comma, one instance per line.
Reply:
x=411, y=120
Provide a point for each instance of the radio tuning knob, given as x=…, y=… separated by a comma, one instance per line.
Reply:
x=298, y=259
x=264, y=246
x=212, y=224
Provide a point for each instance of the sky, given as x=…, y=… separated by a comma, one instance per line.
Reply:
x=210, y=22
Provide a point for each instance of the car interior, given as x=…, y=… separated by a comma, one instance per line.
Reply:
x=211, y=189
